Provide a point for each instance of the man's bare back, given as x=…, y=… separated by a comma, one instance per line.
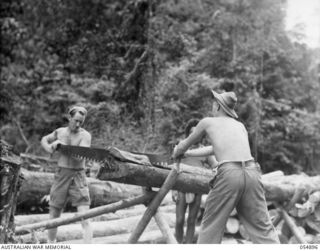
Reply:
x=228, y=137
x=237, y=185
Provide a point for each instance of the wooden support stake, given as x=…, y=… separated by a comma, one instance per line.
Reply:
x=294, y=229
x=85, y=215
x=298, y=194
x=153, y=206
x=164, y=228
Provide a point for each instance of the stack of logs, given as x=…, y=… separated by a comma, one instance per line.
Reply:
x=293, y=205
x=9, y=186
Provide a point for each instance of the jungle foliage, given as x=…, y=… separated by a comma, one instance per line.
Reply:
x=144, y=68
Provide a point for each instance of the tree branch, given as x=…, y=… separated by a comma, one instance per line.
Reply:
x=22, y=135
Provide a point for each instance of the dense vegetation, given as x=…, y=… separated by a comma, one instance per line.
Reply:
x=143, y=69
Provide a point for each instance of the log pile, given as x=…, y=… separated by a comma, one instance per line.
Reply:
x=72, y=233
x=293, y=203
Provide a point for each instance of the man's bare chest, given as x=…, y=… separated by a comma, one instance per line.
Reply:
x=70, y=139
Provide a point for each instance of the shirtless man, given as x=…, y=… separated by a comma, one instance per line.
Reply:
x=238, y=182
x=189, y=200
x=70, y=179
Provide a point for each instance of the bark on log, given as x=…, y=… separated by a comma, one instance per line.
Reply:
x=277, y=187
x=36, y=185
x=100, y=229
x=21, y=220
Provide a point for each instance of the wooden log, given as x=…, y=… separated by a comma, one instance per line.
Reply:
x=36, y=185
x=73, y=232
x=153, y=206
x=21, y=220
x=150, y=235
x=294, y=229
x=277, y=187
x=294, y=239
x=308, y=208
x=85, y=215
x=165, y=228
x=298, y=194
x=232, y=226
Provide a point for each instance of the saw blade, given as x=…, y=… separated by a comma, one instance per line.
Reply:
x=100, y=155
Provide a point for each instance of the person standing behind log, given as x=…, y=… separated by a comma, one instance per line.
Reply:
x=189, y=200
x=238, y=181
x=70, y=178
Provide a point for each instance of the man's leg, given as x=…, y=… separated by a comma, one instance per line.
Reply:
x=221, y=200
x=52, y=232
x=181, y=207
x=253, y=212
x=192, y=218
x=86, y=226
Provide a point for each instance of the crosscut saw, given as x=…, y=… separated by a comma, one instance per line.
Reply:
x=101, y=155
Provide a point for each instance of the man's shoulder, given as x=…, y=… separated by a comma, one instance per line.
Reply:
x=85, y=133
x=61, y=130
x=208, y=120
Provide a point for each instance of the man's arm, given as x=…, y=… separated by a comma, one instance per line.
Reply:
x=200, y=152
x=47, y=142
x=212, y=161
x=194, y=137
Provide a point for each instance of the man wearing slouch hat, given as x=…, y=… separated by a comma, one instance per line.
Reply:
x=238, y=180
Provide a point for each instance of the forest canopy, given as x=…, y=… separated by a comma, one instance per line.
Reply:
x=144, y=68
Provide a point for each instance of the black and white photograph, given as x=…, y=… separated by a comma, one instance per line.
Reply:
x=157, y=122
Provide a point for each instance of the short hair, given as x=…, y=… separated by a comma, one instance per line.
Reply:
x=191, y=123
x=74, y=109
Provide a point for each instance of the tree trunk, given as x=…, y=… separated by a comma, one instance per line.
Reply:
x=21, y=220
x=36, y=185
x=100, y=229
x=277, y=187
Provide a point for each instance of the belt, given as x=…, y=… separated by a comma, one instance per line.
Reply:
x=241, y=163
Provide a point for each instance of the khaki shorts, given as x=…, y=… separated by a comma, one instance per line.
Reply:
x=69, y=184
